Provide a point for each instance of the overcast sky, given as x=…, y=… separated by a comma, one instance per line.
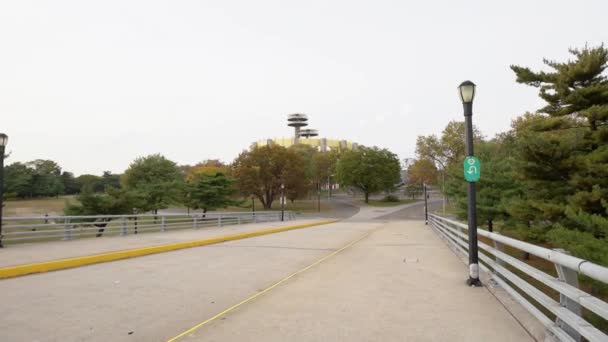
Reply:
x=95, y=84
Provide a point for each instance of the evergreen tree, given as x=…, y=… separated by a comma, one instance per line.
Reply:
x=564, y=148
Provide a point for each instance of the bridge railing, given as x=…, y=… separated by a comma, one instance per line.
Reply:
x=48, y=228
x=528, y=285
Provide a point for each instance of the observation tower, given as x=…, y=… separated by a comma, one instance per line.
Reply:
x=297, y=121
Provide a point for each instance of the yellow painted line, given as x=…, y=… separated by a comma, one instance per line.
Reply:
x=54, y=265
x=196, y=327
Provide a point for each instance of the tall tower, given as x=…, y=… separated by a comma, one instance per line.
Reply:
x=297, y=121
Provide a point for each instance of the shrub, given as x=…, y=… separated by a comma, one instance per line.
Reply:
x=390, y=198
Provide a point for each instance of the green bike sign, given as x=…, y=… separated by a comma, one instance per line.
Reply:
x=472, y=169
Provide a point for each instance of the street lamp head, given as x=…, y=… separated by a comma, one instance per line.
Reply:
x=466, y=91
x=282, y=186
x=3, y=139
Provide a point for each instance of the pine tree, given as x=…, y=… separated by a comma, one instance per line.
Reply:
x=564, y=148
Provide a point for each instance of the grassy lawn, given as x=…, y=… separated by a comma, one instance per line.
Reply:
x=298, y=206
x=382, y=203
x=37, y=207
x=55, y=206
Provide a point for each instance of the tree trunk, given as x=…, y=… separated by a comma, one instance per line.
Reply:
x=268, y=205
x=366, y=197
x=490, y=226
x=102, y=228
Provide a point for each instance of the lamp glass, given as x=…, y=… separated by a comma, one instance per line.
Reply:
x=467, y=91
x=3, y=139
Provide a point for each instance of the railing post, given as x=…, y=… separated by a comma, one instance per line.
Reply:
x=238, y=218
x=67, y=230
x=219, y=220
x=163, y=225
x=500, y=247
x=570, y=277
x=123, y=227
x=255, y=218
x=195, y=222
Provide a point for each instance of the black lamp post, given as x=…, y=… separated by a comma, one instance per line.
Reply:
x=319, y=196
x=467, y=94
x=426, y=205
x=253, y=204
x=3, y=142
x=282, y=202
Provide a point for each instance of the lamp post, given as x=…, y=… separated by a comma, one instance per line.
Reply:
x=467, y=94
x=319, y=196
x=426, y=205
x=282, y=202
x=3, y=142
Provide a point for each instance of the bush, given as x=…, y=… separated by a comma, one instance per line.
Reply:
x=581, y=244
x=390, y=198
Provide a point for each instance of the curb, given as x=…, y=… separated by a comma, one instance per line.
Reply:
x=46, y=266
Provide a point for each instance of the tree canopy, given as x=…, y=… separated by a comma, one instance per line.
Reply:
x=261, y=171
x=369, y=169
x=157, y=179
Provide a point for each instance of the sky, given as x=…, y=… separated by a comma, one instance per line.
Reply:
x=93, y=85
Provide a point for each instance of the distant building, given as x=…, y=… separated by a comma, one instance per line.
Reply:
x=306, y=137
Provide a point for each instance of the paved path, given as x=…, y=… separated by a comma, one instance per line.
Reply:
x=46, y=251
x=398, y=282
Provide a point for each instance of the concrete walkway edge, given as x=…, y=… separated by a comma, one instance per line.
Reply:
x=54, y=265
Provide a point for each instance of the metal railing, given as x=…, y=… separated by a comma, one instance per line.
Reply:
x=569, y=324
x=48, y=228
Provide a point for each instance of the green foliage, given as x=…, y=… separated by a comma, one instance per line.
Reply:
x=582, y=244
x=210, y=192
x=368, y=169
x=547, y=178
x=18, y=180
x=155, y=179
x=38, y=178
x=447, y=150
x=69, y=183
x=91, y=182
x=114, y=202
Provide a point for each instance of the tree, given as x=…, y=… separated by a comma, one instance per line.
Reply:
x=210, y=192
x=91, y=182
x=261, y=171
x=46, y=178
x=156, y=179
x=208, y=167
x=422, y=171
x=448, y=149
x=564, y=148
x=369, y=170
x=110, y=180
x=69, y=183
x=18, y=180
x=113, y=202
x=497, y=186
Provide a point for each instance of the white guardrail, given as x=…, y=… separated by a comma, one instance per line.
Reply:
x=48, y=228
x=562, y=318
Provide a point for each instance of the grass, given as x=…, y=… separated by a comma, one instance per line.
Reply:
x=382, y=203
x=54, y=206
x=298, y=206
x=38, y=206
